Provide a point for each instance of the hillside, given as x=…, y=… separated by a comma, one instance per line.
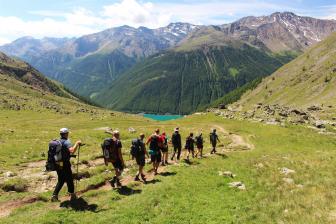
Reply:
x=308, y=80
x=25, y=73
x=184, y=79
x=24, y=88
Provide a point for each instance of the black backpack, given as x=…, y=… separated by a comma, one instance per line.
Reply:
x=199, y=140
x=110, y=151
x=136, y=148
x=154, y=144
x=55, y=154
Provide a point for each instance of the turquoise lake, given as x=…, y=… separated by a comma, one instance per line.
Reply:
x=162, y=117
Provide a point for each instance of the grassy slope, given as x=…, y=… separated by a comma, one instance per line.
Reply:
x=196, y=194
x=195, y=78
x=25, y=73
x=308, y=80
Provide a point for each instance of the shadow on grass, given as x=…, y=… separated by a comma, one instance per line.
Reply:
x=127, y=191
x=167, y=174
x=222, y=155
x=191, y=162
x=79, y=205
x=154, y=181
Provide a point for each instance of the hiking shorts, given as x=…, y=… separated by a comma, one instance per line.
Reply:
x=200, y=146
x=164, y=149
x=156, y=158
x=192, y=149
x=118, y=165
x=140, y=160
x=177, y=148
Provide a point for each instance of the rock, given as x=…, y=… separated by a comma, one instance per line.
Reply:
x=314, y=108
x=288, y=180
x=222, y=106
x=131, y=130
x=238, y=185
x=319, y=124
x=226, y=174
x=259, y=165
x=286, y=171
x=9, y=174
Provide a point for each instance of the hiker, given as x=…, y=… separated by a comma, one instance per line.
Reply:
x=199, y=145
x=164, y=149
x=112, y=153
x=190, y=145
x=213, y=140
x=63, y=167
x=139, y=152
x=155, y=143
x=177, y=144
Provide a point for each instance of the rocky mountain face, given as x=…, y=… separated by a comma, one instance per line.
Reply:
x=281, y=31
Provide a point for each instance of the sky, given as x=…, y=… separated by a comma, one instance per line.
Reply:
x=65, y=18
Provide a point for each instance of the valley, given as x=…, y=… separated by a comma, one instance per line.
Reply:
x=265, y=83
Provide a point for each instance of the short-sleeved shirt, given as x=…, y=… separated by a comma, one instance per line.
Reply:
x=67, y=144
x=66, y=153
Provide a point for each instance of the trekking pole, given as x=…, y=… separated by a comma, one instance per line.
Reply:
x=77, y=177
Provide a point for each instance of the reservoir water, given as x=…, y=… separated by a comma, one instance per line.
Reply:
x=158, y=117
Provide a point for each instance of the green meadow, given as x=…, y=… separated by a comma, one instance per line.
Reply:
x=185, y=193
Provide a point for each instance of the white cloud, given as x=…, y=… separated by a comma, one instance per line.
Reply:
x=130, y=12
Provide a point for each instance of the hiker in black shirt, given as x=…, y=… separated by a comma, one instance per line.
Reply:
x=177, y=144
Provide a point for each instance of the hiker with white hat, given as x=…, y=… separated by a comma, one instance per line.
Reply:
x=177, y=144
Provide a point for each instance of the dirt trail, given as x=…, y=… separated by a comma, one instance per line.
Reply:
x=237, y=141
x=34, y=171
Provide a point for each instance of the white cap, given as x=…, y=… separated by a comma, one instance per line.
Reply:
x=64, y=131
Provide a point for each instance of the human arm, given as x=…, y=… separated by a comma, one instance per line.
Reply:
x=74, y=148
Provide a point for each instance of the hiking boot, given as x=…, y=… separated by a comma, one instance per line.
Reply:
x=54, y=198
x=113, y=182
x=73, y=197
x=118, y=183
x=163, y=164
x=136, y=178
x=167, y=163
x=143, y=177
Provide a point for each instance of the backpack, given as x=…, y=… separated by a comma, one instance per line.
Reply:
x=136, y=148
x=213, y=137
x=199, y=140
x=55, y=154
x=154, y=144
x=188, y=143
x=110, y=151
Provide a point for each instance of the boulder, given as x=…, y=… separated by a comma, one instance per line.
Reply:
x=286, y=171
x=288, y=180
x=319, y=124
x=238, y=185
x=9, y=174
x=226, y=174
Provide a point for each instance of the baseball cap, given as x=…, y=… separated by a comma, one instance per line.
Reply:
x=64, y=131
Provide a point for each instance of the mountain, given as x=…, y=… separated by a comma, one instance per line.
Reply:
x=307, y=81
x=281, y=31
x=185, y=79
x=93, y=62
x=88, y=63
